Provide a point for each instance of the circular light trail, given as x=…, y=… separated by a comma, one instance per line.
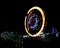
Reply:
x=43, y=21
x=31, y=21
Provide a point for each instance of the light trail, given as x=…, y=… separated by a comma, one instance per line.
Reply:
x=43, y=21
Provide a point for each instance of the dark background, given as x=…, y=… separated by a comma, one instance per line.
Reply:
x=13, y=13
x=12, y=16
x=50, y=7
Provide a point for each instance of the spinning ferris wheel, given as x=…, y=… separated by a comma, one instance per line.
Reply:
x=35, y=21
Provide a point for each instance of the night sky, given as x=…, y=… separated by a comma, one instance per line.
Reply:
x=13, y=14
x=50, y=7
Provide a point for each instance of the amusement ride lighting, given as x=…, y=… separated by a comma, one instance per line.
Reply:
x=43, y=21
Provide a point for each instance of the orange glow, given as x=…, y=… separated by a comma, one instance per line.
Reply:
x=43, y=21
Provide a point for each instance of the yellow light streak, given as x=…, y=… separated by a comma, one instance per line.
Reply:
x=43, y=21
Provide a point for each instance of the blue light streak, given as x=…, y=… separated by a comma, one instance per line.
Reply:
x=36, y=21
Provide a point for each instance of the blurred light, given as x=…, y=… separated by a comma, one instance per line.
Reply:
x=53, y=31
x=43, y=22
x=25, y=36
x=43, y=36
x=57, y=34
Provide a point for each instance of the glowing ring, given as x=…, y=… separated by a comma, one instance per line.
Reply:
x=43, y=21
x=34, y=24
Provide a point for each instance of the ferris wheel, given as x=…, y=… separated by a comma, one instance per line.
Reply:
x=35, y=21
